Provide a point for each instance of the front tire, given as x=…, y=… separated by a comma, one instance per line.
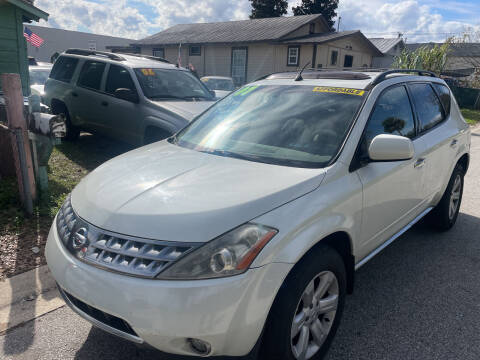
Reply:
x=445, y=214
x=72, y=132
x=307, y=310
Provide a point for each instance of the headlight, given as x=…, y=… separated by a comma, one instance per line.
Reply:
x=230, y=254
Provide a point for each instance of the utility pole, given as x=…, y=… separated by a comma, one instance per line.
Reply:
x=338, y=23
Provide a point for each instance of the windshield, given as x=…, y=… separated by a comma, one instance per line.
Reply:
x=159, y=84
x=219, y=84
x=295, y=125
x=39, y=76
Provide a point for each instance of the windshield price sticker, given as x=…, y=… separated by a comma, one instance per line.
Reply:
x=245, y=90
x=148, y=72
x=337, y=90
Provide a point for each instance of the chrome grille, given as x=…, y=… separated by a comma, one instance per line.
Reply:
x=120, y=253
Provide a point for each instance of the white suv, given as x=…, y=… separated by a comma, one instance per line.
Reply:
x=243, y=231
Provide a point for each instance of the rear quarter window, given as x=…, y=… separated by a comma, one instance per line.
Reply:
x=64, y=68
x=427, y=105
x=445, y=98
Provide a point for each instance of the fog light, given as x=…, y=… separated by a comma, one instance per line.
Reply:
x=199, y=346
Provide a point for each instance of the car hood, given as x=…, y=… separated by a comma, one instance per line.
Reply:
x=220, y=94
x=166, y=192
x=186, y=109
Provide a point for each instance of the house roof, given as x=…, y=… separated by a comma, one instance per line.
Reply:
x=27, y=5
x=332, y=36
x=255, y=30
x=456, y=50
x=385, y=45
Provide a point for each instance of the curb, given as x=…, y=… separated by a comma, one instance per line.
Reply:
x=27, y=296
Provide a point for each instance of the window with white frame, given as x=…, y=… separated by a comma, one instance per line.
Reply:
x=293, y=56
x=195, y=51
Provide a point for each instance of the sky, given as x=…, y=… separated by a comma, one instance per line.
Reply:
x=417, y=20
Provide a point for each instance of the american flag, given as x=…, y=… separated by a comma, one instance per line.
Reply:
x=32, y=38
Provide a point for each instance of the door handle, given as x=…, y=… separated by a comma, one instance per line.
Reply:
x=104, y=103
x=419, y=163
x=454, y=143
x=74, y=94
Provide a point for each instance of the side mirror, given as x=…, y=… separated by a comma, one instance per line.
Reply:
x=213, y=93
x=127, y=94
x=386, y=147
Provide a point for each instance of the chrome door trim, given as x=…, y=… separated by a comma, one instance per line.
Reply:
x=392, y=239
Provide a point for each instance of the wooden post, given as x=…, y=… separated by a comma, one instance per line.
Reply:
x=12, y=89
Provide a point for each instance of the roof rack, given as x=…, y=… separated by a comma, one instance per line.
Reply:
x=149, y=57
x=84, y=52
x=383, y=75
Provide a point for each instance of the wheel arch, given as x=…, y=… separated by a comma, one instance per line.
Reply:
x=464, y=161
x=56, y=105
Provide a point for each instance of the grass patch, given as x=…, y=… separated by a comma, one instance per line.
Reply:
x=68, y=164
x=472, y=117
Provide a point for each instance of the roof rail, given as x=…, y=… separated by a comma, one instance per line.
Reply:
x=149, y=57
x=383, y=75
x=85, y=52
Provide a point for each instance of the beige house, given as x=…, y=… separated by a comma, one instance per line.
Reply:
x=249, y=49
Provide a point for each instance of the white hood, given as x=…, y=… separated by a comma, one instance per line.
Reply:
x=166, y=192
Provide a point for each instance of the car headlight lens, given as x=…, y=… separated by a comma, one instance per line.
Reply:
x=230, y=254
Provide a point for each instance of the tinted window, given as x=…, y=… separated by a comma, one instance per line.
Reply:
x=427, y=105
x=444, y=95
x=348, y=61
x=64, y=68
x=118, y=77
x=294, y=125
x=91, y=74
x=392, y=115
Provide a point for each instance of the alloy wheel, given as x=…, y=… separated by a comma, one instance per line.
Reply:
x=455, y=197
x=314, y=315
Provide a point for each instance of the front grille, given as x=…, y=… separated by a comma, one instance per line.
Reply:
x=100, y=316
x=120, y=253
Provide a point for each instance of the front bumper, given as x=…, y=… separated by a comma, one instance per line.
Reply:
x=228, y=313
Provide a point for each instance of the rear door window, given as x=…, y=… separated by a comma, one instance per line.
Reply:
x=91, y=74
x=445, y=98
x=64, y=68
x=427, y=105
x=118, y=77
x=392, y=115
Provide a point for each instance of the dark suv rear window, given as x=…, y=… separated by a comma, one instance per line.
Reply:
x=91, y=74
x=64, y=68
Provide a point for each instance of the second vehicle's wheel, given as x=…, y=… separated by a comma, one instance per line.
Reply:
x=73, y=132
x=307, y=311
x=445, y=214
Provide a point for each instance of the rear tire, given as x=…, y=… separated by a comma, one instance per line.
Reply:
x=72, y=132
x=297, y=317
x=445, y=214
x=154, y=134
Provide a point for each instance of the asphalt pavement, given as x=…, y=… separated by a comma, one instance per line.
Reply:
x=418, y=299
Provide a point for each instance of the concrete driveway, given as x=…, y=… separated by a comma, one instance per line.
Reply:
x=419, y=299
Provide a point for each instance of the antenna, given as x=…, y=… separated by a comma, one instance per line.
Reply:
x=299, y=75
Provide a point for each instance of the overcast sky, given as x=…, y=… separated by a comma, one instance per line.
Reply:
x=418, y=20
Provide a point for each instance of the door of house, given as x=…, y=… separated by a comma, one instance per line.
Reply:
x=239, y=65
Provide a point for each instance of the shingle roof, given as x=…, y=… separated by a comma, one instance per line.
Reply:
x=456, y=50
x=385, y=45
x=332, y=36
x=231, y=31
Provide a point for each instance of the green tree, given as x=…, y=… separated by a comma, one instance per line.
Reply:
x=431, y=58
x=393, y=124
x=325, y=7
x=268, y=8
